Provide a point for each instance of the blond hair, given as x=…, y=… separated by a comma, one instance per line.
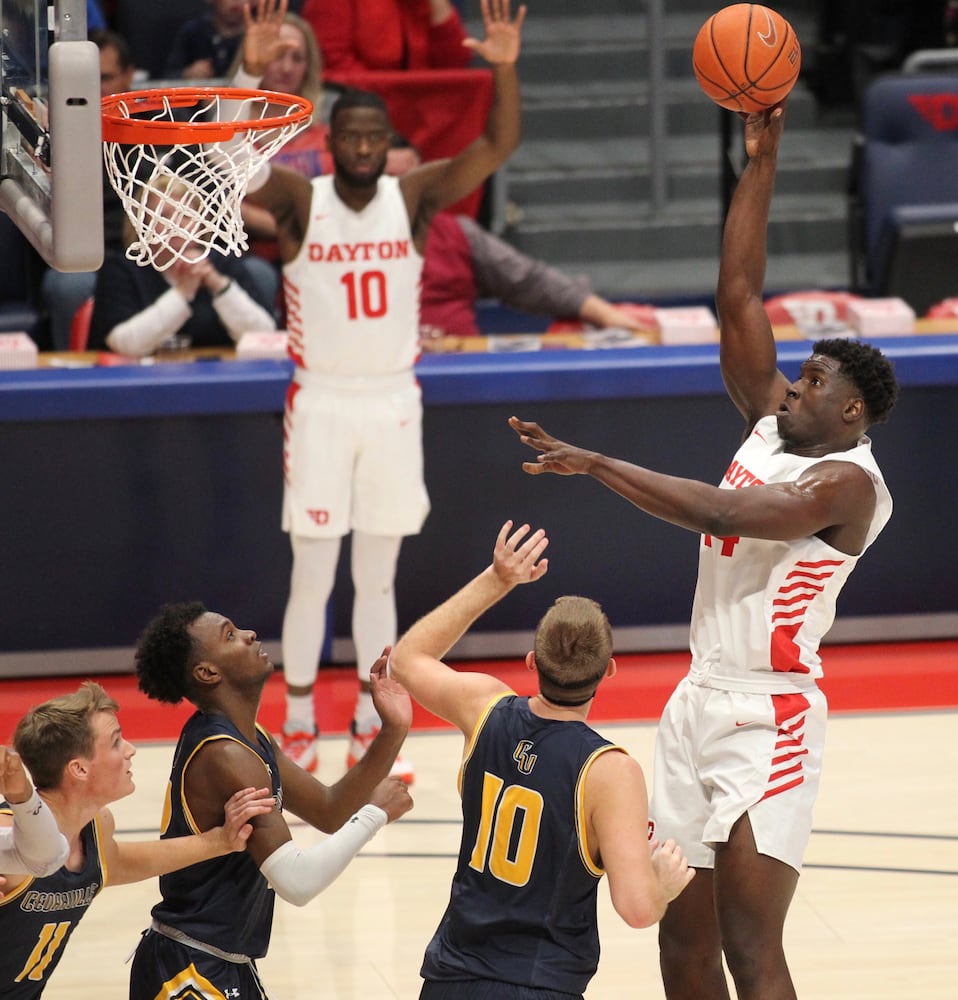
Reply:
x=50, y=735
x=573, y=646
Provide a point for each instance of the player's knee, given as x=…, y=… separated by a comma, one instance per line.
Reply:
x=752, y=958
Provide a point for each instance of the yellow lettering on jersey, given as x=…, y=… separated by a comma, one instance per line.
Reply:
x=51, y=936
x=491, y=787
x=516, y=870
x=497, y=824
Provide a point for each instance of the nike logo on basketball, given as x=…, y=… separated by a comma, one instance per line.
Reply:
x=771, y=36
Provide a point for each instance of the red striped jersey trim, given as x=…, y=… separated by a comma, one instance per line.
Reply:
x=801, y=587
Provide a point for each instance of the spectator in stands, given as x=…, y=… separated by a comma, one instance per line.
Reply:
x=206, y=46
x=291, y=65
x=209, y=302
x=362, y=35
x=463, y=262
x=64, y=292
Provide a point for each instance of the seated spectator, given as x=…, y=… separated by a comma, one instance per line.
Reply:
x=362, y=35
x=464, y=262
x=64, y=292
x=208, y=303
x=206, y=46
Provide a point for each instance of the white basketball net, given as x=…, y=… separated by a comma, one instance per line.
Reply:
x=184, y=200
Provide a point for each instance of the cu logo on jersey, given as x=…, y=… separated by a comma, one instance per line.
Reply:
x=526, y=761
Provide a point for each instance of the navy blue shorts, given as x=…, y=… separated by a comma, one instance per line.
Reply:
x=164, y=969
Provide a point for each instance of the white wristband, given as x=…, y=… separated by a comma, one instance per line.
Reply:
x=299, y=876
x=34, y=845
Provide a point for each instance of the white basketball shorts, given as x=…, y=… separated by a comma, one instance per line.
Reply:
x=720, y=754
x=353, y=456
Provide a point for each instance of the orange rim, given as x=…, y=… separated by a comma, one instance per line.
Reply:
x=119, y=126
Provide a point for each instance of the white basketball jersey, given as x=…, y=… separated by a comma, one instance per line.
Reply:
x=762, y=607
x=352, y=292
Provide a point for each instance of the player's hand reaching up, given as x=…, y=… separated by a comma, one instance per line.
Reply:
x=389, y=696
x=518, y=559
x=502, y=42
x=15, y=786
x=763, y=130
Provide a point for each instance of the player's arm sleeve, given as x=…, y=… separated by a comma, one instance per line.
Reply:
x=518, y=281
x=34, y=844
x=299, y=876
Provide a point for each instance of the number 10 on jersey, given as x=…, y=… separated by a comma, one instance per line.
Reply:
x=510, y=824
x=365, y=294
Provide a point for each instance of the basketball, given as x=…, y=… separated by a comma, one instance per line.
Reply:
x=746, y=57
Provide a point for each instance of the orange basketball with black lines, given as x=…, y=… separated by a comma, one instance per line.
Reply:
x=746, y=57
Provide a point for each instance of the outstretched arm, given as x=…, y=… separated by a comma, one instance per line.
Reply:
x=825, y=498
x=135, y=861
x=432, y=187
x=416, y=660
x=749, y=364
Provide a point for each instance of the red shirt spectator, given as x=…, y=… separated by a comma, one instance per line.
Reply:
x=362, y=35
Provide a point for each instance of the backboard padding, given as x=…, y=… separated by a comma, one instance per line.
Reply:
x=51, y=159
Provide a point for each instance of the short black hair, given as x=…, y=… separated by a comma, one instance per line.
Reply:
x=167, y=653
x=868, y=370
x=354, y=98
x=103, y=38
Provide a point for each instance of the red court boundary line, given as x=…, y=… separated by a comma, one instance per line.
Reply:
x=874, y=678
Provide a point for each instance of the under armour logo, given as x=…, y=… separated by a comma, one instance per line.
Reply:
x=522, y=757
x=231, y=992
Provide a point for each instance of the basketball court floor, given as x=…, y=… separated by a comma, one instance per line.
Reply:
x=875, y=916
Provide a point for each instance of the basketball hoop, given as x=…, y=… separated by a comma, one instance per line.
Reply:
x=181, y=161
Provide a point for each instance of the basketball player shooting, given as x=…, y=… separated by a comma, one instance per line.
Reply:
x=739, y=747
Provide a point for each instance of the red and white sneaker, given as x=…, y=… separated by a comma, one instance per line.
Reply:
x=359, y=744
x=300, y=746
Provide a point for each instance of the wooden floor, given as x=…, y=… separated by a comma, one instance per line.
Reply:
x=875, y=916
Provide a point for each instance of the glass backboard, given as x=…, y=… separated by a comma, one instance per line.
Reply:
x=51, y=157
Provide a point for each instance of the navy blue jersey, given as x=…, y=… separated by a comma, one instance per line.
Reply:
x=225, y=902
x=523, y=903
x=38, y=917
